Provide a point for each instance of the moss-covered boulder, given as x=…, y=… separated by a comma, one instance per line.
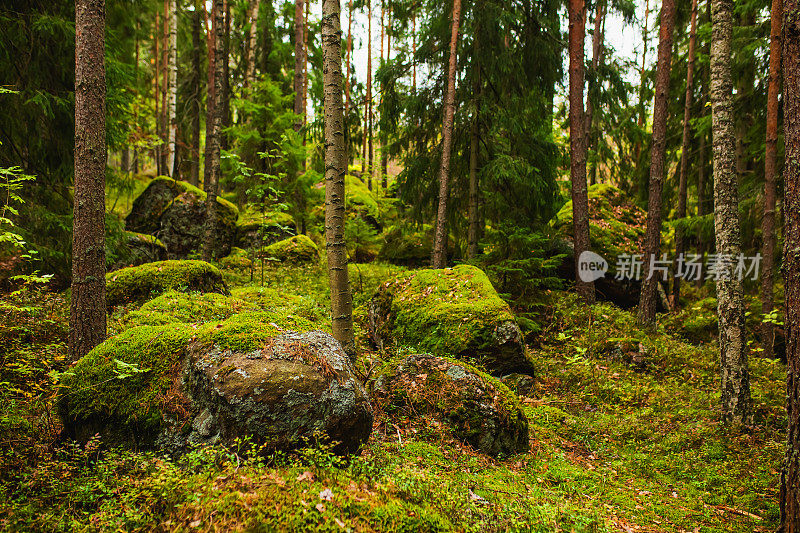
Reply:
x=138, y=249
x=297, y=250
x=238, y=260
x=453, y=311
x=259, y=374
x=477, y=408
x=175, y=212
x=175, y=307
x=411, y=246
x=255, y=229
x=138, y=284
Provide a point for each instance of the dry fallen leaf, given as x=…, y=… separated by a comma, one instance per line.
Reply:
x=320, y=507
x=326, y=494
x=306, y=476
x=195, y=523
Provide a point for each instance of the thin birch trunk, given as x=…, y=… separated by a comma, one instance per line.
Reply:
x=214, y=118
x=172, y=100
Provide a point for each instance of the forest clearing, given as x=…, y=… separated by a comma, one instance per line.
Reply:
x=400, y=266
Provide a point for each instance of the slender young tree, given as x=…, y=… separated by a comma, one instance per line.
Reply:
x=770, y=193
x=347, y=62
x=439, y=259
x=250, y=50
x=643, y=70
x=577, y=142
x=306, y=32
x=211, y=95
x=157, y=90
x=680, y=239
x=335, y=167
x=213, y=141
x=196, y=102
x=172, y=97
x=368, y=112
x=730, y=307
x=87, y=323
x=299, y=64
x=474, y=143
x=790, y=478
x=164, y=118
x=652, y=243
x=597, y=57
x=225, y=95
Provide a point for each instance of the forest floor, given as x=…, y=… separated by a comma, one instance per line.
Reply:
x=614, y=446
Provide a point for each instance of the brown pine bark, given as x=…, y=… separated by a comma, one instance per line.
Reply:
x=790, y=478
x=597, y=56
x=770, y=164
x=368, y=117
x=213, y=141
x=305, y=65
x=195, y=104
x=299, y=64
x=680, y=239
x=335, y=168
x=730, y=308
x=642, y=71
x=577, y=142
x=87, y=323
x=439, y=259
x=211, y=95
x=347, y=62
x=225, y=95
x=652, y=244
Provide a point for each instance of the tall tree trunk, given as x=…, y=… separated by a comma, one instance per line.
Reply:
x=652, y=243
x=770, y=164
x=701, y=199
x=306, y=32
x=214, y=117
x=439, y=259
x=597, y=55
x=211, y=96
x=368, y=116
x=577, y=143
x=790, y=478
x=347, y=78
x=474, y=144
x=680, y=239
x=197, y=89
x=299, y=64
x=335, y=167
x=250, y=58
x=730, y=308
x=164, y=118
x=225, y=96
x=87, y=323
x=172, y=99
x=414, y=50
x=384, y=140
x=157, y=90
x=136, y=95
x=643, y=70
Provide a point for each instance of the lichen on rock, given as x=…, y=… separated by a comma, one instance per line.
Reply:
x=140, y=283
x=478, y=408
x=454, y=311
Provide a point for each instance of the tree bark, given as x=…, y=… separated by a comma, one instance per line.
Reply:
x=645, y=41
x=680, y=239
x=164, y=118
x=172, y=100
x=225, y=95
x=211, y=96
x=368, y=117
x=730, y=308
x=335, y=168
x=250, y=58
x=439, y=259
x=347, y=67
x=384, y=155
x=305, y=64
x=770, y=193
x=299, y=64
x=648, y=297
x=157, y=90
x=88, y=303
x=197, y=89
x=790, y=478
x=214, y=117
x=597, y=56
x=577, y=143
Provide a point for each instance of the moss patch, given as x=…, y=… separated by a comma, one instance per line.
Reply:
x=137, y=284
x=294, y=250
x=188, y=308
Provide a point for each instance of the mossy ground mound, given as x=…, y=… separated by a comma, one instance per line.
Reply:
x=174, y=211
x=616, y=225
x=187, y=308
x=257, y=229
x=140, y=248
x=453, y=311
x=297, y=250
x=261, y=375
x=238, y=260
x=478, y=408
x=138, y=284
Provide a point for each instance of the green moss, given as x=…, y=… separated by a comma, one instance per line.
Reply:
x=250, y=331
x=268, y=218
x=185, y=187
x=238, y=259
x=144, y=238
x=266, y=298
x=99, y=390
x=294, y=250
x=616, y=226
x=446, y=311
x=188, y=308
x=138, y=284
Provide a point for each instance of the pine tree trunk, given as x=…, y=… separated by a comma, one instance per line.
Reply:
x=439, y=259
x=384, y=139
x=730, y=308
x=597, y=55
x=299, y=64
x=225, y=96
x=474, y=145
x=250, y=58
x=577, y=142
x=648, y=297
x=306, y=32
x=701, y=199
x=770, y=193
x=157, y=90
x=790, y=478
x=211, y=97
x=164, y=118
x=347, y=78
x=172, y=100
x=214, y=117
x=335, y=168
x=680, y=239
x=643, y=70
x=88, y=303
x=195, y=104
x=368, y=117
